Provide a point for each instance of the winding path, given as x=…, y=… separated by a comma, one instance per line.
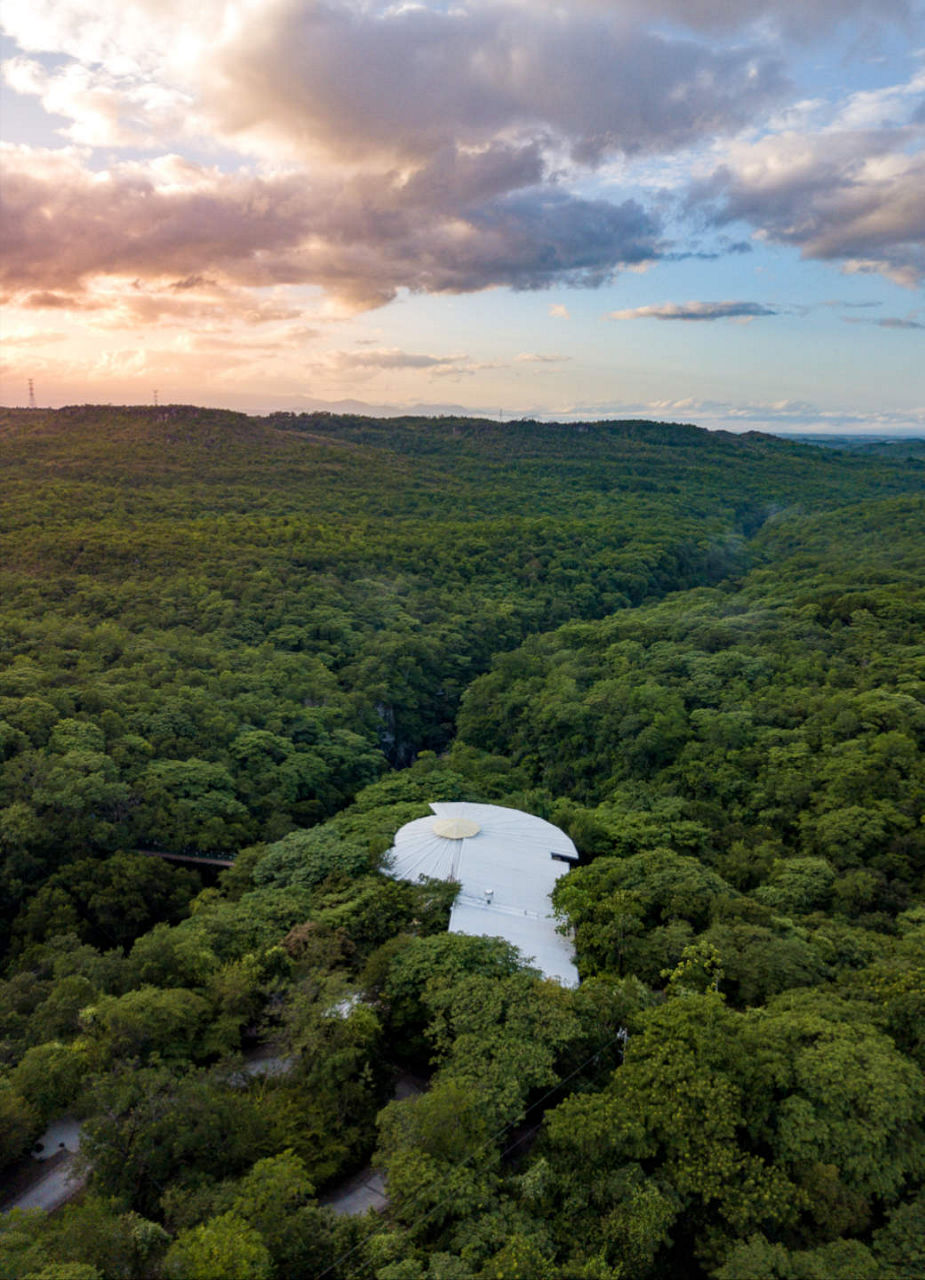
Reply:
x=60, y=1181
x=366, y=1189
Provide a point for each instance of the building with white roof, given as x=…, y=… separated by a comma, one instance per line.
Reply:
x=506, y=863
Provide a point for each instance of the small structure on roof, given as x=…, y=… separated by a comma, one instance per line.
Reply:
x=455, y=828
x=506, y=863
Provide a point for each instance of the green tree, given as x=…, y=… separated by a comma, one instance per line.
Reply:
x=437, y=1152
x=422, y=966
x=309, y=857
x=50, y=1076
x=845, y=1118
x=20, y=1124
x=675, y=1108
x=149, y=1129
x=224, y=1246
x=520, y=1259
x=150, y=1020
x=900, y=1245
x=190, y=804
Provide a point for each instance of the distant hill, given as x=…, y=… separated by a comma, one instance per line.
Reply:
x=868, y=445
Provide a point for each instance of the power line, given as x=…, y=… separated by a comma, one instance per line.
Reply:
x=621, y=1035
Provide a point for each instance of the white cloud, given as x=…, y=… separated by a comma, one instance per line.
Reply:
x=102, y=110
x=393, y=358
x=785, y=415
x=385, y=84
x=849, y=191
x=369, y=363
x=696, y=311
x=14, y=337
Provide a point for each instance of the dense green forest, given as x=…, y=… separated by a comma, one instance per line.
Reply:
x=279, y=639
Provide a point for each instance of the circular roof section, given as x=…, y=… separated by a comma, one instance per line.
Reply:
x=455, y=828
x=518, y=854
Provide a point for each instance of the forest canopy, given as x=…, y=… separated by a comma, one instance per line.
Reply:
x=278, y=640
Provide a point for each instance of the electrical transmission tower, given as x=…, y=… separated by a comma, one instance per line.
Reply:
x=31, y=394
x=155, y=397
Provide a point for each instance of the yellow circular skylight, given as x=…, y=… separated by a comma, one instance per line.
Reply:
x=455, y=828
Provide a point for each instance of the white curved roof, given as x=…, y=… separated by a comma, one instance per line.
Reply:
x=506, y=869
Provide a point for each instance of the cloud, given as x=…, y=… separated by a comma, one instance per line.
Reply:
x=49, y=300
x=696, y=311
x=786, y=415
x=31, y=337
x=886, y=322
x=407, y=81
x=426, y=149
x=141, y=304
x=534, y=357
x=173, y=227
x=801, y=19
x=421, y=147
x=559, y=311
x=896, y=322
x=213, y=342
x=851, y=306
x=373, y=82
x=393, y=358
x=103, y=109
x=848, y=192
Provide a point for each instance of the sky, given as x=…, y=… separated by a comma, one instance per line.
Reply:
x=709, y=211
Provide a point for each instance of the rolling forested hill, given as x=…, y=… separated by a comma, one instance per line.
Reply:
x=699, y=653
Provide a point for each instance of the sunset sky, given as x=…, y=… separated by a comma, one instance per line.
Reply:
x=701, y=210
